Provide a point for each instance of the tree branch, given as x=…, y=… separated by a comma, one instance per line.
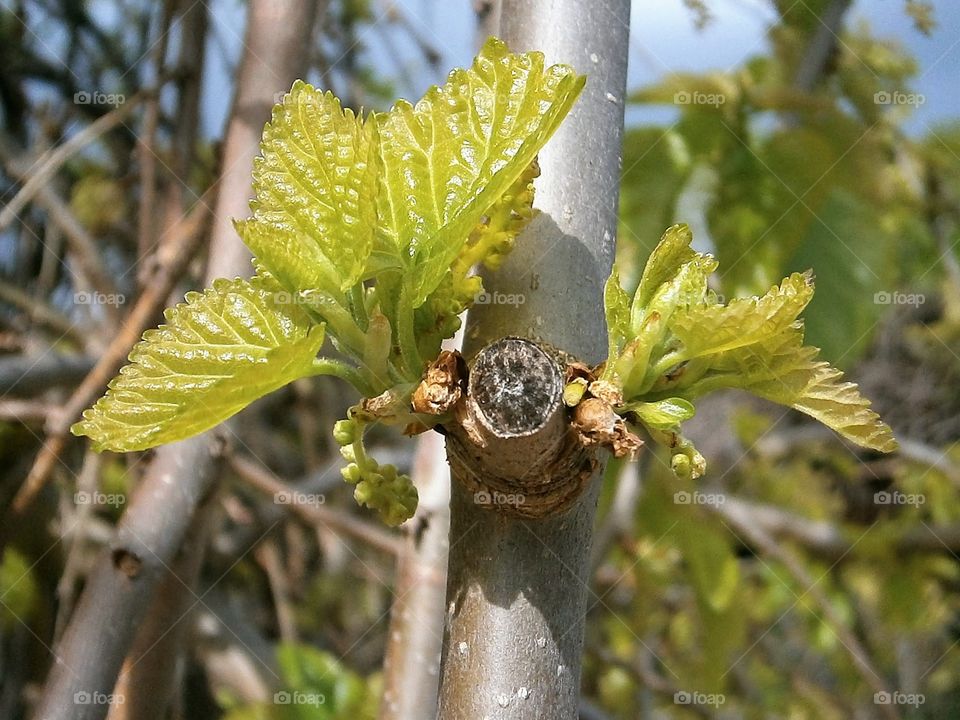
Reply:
x=313, y=514
x=516, y=590
x=43, y=171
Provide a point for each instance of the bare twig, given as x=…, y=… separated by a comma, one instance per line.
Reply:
x=43, y=171
x=38, y=311
x=120, y=588
x=88, y=481
x=84, y=247
x=822, y=45
x=826, y=539
x=146, y=155
x=25, y=411
x=149, y=674
x=26, y=375
x=270, y=559
x=313, y=513
x=930, y=456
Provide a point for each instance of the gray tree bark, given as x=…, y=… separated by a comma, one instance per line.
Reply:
x=517, y=588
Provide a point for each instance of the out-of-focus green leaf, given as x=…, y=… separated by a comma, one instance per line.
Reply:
x=18, y=589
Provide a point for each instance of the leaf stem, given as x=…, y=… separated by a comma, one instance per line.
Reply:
x=340, y=369
x=407, y=339
x=357, y=300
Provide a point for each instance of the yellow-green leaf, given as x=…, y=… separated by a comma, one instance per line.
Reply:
x=708, y=329
x=219, y=351
x=787, y=372
x=616, y=307
x=315, y=185
x=449, y=158
x=662, y=414
x=664, y=263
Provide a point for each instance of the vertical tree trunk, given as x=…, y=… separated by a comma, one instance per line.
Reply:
x=517, y=588
x=126, y=577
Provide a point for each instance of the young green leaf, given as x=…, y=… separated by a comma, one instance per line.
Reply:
x=616, y=308
x=662, y=414
x=710, y=329
x=368, y=231
x=315, y=184
x=664, y=263
x=448, y=159
x=218, y=352
x=682, y=343
x=787, y=372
